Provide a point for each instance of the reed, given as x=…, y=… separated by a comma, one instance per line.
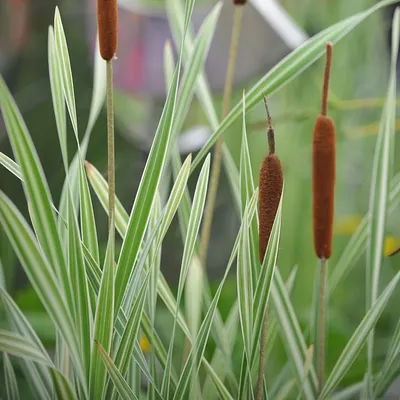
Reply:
x=270, y=192
x=324, y=175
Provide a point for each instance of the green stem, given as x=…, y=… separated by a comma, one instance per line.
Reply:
x=261, y=367
x=322, y=324
x=216, y=166
x=110, y=146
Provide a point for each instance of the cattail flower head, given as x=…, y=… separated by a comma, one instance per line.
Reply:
x=270, y=190
x=107, y=23
x=324, y=171
x=239, y=2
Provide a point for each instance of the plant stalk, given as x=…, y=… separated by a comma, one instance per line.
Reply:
x=263, y=345
x=321, y=324
x=110, y=146
x=216, y=166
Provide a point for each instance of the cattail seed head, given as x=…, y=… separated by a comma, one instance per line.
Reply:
x=270, y=191
x=239, y=2
x=107, y=23
x=324, y=173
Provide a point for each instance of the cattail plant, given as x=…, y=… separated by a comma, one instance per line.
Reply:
x=107, y=24
x=270, y=192
x=323, y=175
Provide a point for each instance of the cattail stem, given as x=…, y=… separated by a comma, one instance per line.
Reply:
x=321, y=339
x=270, y=132
x=325, y=90
x=216, y=166
x=110, y=146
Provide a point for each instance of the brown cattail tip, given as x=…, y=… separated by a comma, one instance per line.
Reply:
x=270, y=132
x=395, y=252
x=270, y=191
x=325, y=90
x=239, y=2
x=107, y=23
x=324, y=174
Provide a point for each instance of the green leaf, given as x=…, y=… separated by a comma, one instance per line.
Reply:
x=11, y=165
x=188, y=250
x=100, y=186
x=176, y=21
x=205, y=327
x=124, y=352
x=35, y=187
x=195, y=65
x=145, y=196
x=17, y=345
x=120, y=383
x=358, y=242
x=292, y=336
x=104, y=320
x=390, y=361
x=246, y=190
x=356, y=342
x=57, y=95
x=37, y=375
x=287, y=69
x=381, y=176
x=79, y=285
x=65, y=69
x=88, y=222
x=10, y=379
x=62, y=388
x=245, y=300
x=41, y=276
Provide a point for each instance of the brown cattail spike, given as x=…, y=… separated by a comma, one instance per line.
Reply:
x=239, y=2
x=107, y=23
x=324, y=174
x=270, y=191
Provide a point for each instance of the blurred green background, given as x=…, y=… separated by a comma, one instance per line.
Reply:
x=358, y=86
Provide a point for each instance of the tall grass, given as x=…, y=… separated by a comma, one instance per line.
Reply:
x=101, y=308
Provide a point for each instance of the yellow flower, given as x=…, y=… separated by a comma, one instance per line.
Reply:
x=391, y=244
x=144, y=344
x=347, y=225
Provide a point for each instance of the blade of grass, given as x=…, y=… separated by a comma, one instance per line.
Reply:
x=120, y=383
x=188, y=250
x=62, y=388
x=358, y=242
x=37, y=375
x=79, y=285
x=292, y=336
x=123, y=354
x=104, y=321
x=149, y=183
x=17, y=345
x=41, y=276
x=245, y=302
x=10, y=379
x=35, y=187
x=356, y=342
x=392, y=354
x=247, y=189
x=381, y=176
x=57, y=96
